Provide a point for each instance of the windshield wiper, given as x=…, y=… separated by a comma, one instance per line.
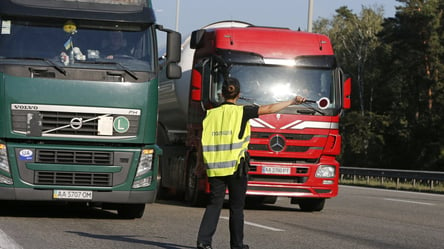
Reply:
x=48, y=61
x=122, y=67
x=249, y=100
x=312, y=110
x=60, y=69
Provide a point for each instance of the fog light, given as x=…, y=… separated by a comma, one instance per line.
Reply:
x=145, y=182
x=5, y=180
x=325, y=171
x=327, y=182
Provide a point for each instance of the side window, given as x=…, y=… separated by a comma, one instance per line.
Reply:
x=216, y=86
x=218, y=75
x=205, y=83
x=214, y=72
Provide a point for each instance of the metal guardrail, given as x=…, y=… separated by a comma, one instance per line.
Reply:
x=431, y=178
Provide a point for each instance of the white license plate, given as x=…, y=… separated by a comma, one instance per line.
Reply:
x=276, y=170
x=72, y=194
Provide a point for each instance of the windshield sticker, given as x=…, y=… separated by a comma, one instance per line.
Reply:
x=105, y=126
x=121, y=124
x=6, y=27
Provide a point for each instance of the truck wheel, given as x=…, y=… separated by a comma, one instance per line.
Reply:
x=161, y=192
x=312, y=205
x=193, y=195
x=131, y=211
x=162, y=140
x=257, y=201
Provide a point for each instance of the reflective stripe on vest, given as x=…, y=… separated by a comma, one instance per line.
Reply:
x=222, y=149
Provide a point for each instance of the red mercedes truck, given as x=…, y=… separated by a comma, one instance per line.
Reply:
x=293, y=152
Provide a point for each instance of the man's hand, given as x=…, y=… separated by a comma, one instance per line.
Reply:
x=298, y=100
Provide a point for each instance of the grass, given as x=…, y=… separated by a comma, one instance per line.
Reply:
x=394, y=183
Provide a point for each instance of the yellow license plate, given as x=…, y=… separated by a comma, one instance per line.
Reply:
x=72, y=194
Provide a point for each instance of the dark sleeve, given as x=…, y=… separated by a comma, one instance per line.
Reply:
x=250, y=111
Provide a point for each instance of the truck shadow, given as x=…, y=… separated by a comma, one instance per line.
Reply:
x=54, y=210
x=248, y=206
x=129, y=239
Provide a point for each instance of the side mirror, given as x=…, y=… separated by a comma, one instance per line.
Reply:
x=346, y=88
x=173, y=46
x=197, y=38
x=173, y=71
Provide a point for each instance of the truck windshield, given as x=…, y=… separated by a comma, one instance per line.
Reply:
x=78, y=44
x=263, y=85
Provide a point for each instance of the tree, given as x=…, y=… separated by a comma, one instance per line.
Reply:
x=415, y=38
x=396, y=64
x=355, y=41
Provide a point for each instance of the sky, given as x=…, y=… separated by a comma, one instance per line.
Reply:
x=293, y=14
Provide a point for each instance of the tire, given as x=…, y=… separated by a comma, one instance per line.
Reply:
x=162, y=140
x=131, y=211
x=312, y=205
x=257, y=201
x=270, y=200
x=161, y=192
x=193, y=196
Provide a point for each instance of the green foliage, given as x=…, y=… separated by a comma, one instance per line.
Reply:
x=396, y=64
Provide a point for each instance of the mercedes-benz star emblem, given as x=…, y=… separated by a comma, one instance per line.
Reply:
x=277, y=143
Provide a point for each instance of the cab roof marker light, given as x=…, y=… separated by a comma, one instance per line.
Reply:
x=281, y=62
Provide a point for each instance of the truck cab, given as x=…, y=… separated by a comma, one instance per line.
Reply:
x=78, y=106
x=293, y=152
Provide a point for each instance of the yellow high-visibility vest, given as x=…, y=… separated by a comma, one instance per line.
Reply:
x=221, y=146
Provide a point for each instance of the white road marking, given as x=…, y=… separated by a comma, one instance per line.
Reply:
x=393, y=191
x=407, y=201
x=7, y=242
x=257, y=225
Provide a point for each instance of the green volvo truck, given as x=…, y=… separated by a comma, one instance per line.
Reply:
x=78, y=114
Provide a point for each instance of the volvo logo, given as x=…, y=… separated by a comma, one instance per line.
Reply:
x=76, y=123
x=277, y=143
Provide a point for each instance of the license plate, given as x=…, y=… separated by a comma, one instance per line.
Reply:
x=72, y=194
x=276, y=170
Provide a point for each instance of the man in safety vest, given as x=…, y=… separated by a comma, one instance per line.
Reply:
x=225, y=139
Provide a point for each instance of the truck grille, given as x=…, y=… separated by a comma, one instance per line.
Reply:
x=52, y=121
x=73, y=178
x=72, y=121
x=269, y=178
x=74, y=157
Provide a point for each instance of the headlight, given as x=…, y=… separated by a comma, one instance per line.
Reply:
x=145, y=162
x=326, y=171
x=4, y=165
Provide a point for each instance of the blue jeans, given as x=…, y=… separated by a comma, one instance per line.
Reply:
x=237, y=187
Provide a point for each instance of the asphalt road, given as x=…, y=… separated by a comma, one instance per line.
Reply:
x=357, y=218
